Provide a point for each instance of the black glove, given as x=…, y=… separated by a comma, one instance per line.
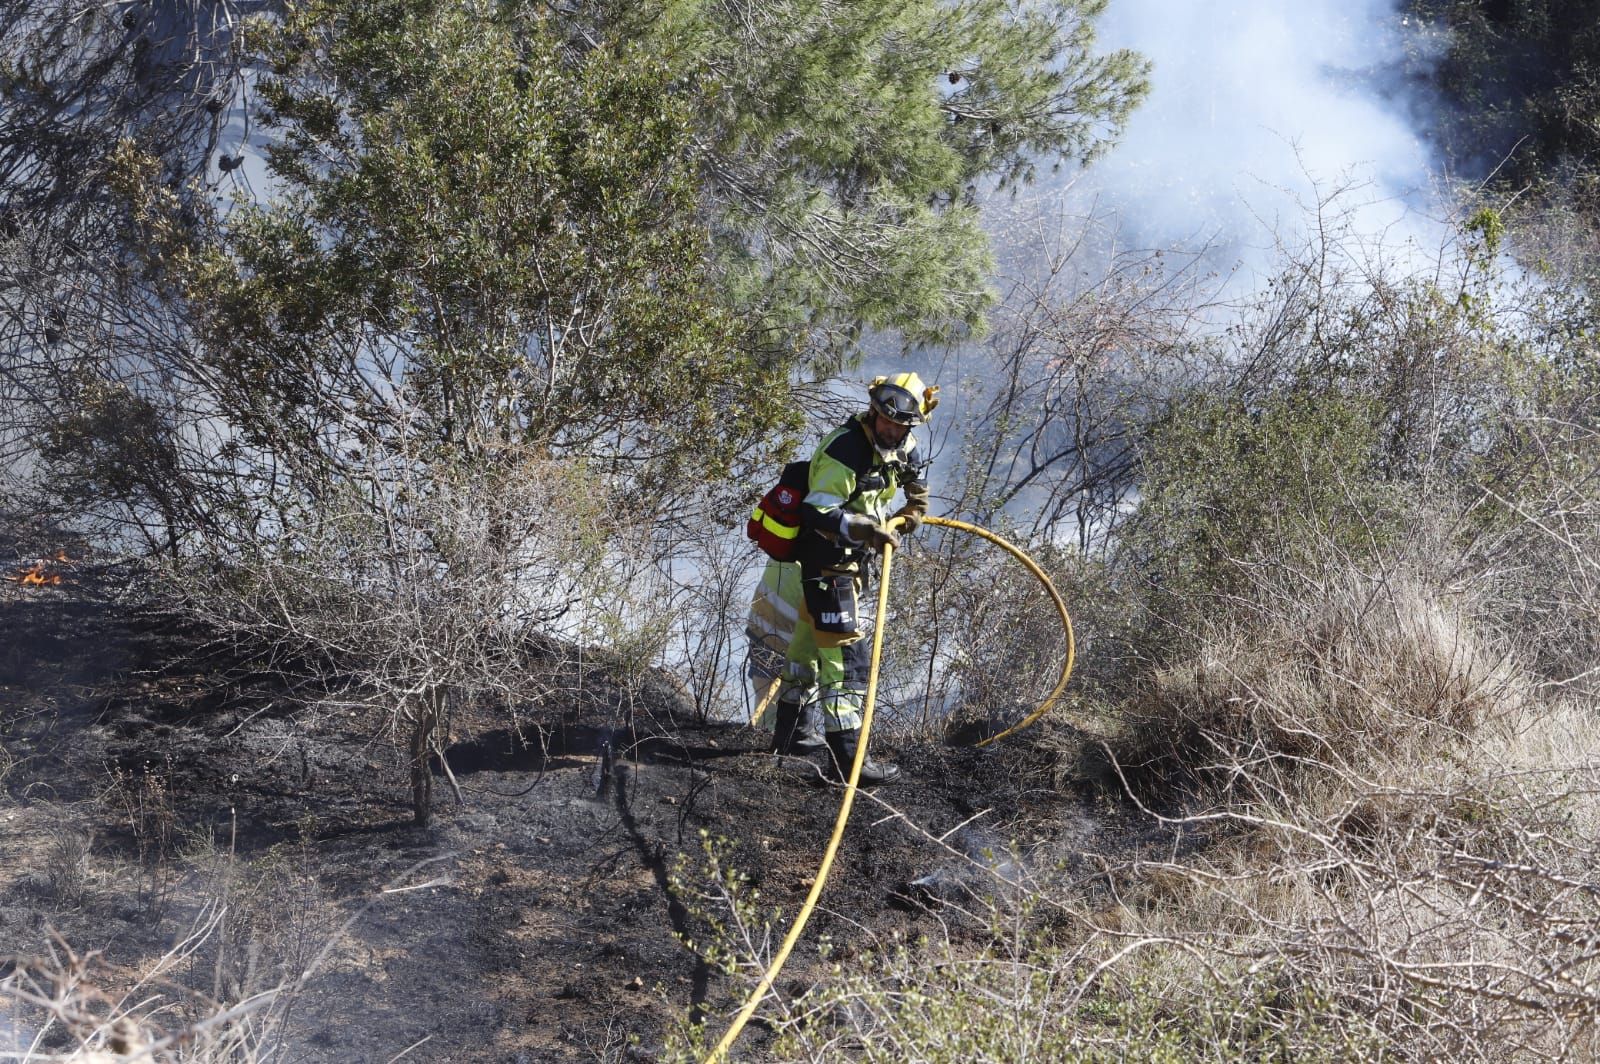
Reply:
x=865, y=532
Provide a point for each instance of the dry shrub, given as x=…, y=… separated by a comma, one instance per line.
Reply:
x=427, y=594
x=225, y=993
x=276, y=923
x=1353, y=671
x=75, y=1006
x=1401, y=823
x=973, y=642
x=1447, y=899
x=67, y=876
x=141, y=799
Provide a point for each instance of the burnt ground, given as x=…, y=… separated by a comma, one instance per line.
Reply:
x=148, y=781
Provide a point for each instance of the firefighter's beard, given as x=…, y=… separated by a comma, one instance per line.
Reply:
x=899, y=454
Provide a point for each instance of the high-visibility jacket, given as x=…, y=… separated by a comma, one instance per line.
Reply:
x=849, y=476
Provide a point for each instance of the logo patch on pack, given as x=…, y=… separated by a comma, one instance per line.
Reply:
x=837, y=618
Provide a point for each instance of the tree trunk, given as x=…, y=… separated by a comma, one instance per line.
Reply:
x=422, y=725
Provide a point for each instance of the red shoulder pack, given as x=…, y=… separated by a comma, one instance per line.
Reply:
x=775, y=522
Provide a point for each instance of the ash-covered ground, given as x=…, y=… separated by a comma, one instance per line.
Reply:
x=157, y=784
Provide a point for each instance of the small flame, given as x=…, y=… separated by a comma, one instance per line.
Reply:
x=39, y=575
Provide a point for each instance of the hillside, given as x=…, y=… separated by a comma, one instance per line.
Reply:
x=383, y=387
x=158, y=786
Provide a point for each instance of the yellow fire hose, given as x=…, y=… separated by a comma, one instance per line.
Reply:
x=721, y=1051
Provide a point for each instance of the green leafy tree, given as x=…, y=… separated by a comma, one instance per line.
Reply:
x=509, y=239
x=475, y=314
x=602, y=231
x=842, y=145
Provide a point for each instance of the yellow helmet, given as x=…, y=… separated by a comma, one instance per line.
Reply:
x=902, y=398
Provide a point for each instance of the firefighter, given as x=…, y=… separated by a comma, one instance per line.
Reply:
x=855, y=474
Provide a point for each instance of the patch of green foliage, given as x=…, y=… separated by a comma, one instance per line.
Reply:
x=1525, y=77
x=1224, y=480
x=842, y=145
x=509, y=236
x=983, y=1009
x=1029, y=992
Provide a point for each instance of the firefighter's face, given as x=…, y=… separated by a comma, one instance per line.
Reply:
x=891, y=434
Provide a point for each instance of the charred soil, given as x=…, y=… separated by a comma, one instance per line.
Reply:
x=154, y=779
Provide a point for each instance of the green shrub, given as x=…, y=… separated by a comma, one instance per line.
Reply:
x=1223, y=482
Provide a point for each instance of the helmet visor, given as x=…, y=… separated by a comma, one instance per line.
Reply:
x=897, y=404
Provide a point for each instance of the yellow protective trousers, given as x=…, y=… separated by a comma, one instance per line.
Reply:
x=769, y=629
x=830, y=668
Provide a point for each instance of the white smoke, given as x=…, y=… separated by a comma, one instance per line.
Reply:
x=1259, y=110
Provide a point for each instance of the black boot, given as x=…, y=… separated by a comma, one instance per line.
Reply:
x=796, y=730
x=808, y=736
x=842, y=745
